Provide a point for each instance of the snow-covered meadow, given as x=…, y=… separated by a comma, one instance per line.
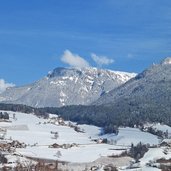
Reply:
x=38, y=134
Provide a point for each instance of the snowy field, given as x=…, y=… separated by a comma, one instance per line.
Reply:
x=37, y=134
x=127, y=136
x=38, y=137
x=162, y=127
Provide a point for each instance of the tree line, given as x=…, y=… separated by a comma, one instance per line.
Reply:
x=109, y=117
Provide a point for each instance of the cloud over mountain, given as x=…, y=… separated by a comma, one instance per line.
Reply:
x=74, y=60
x=4, y=85
x=101, y=60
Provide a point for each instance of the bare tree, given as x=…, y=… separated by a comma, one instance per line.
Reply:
x=56, y=135
x=58, y=154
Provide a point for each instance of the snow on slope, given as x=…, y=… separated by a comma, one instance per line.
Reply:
x=162, y=127
x=91, y=130
x=38, y=137
x=81, y=154
x=127, y=136
x=145, y=168
x=154, y=154
x=67, y=86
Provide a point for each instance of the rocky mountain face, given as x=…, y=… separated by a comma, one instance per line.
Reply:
x=66, y=86
x=149, y=92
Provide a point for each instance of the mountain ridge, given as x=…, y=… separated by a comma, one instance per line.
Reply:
x=66, y=86
x=157, y=73
x=144, y=98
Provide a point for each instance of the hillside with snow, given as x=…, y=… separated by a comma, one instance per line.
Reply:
x=78, y=146
x=150, y=88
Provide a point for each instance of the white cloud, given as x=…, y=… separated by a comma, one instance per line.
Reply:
x=74, y=60
x=4, y=85
x=130, y=55
x=101, y=60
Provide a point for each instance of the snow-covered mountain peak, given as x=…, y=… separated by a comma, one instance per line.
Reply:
x=60, y=72
x=67, y=86
x=89, y=71
x=166, y=61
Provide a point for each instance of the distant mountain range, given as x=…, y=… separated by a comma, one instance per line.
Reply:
x=105, y=98
x=67, y=86
x=145, y=98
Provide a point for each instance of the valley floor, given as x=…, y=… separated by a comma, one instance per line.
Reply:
x=74, y=147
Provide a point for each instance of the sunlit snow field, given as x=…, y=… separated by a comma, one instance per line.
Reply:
x=35, y=132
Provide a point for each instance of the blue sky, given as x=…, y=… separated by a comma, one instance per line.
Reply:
x=36, y=34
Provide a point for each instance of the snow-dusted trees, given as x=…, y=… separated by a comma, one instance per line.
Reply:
x=138, y=151
x=4, y=115
x=58, y=154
